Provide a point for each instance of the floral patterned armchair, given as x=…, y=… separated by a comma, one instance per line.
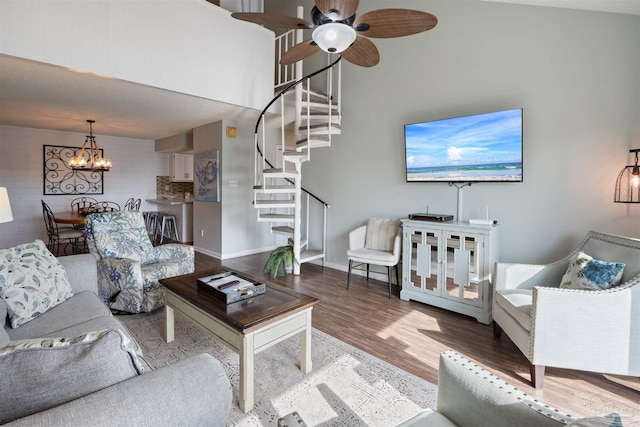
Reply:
x=129, y=267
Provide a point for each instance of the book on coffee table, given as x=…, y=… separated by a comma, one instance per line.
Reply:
x=230, y=287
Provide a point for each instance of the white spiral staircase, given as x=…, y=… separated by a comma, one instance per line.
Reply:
x=312, y=117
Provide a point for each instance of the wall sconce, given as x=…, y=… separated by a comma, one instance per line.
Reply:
x=5, y=207
x=628, y=182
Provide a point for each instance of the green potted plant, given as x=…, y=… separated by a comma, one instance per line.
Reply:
x=280, y=256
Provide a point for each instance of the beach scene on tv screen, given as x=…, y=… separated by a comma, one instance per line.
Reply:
x=483, y=147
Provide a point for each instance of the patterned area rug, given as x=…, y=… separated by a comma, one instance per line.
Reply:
x=347, y=386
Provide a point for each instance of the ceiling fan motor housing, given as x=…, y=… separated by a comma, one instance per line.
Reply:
x=318, y=18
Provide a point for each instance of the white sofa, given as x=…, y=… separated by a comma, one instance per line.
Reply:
x=588, y=330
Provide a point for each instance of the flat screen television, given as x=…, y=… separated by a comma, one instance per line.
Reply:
x=479, y=148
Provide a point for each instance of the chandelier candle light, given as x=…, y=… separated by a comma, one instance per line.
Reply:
x=95, y=162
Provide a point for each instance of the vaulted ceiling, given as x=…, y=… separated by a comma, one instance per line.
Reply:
x=38, y=95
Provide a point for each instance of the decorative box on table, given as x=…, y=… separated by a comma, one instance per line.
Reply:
x=230, y=286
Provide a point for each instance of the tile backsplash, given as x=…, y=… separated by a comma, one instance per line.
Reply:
x=164, y=186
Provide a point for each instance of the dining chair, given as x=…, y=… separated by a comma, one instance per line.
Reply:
x=58, y=235
x=104, y=206
x=132, y=205
x=82, y=203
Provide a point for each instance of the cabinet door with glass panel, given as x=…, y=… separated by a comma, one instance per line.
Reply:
x=445, y=265
x=462, y=267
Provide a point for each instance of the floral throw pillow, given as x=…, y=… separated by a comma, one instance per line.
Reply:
x=587, y=273
x=31, y=281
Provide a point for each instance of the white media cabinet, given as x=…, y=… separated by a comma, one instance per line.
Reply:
x=450, y=265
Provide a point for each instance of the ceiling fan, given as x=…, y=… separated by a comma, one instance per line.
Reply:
x=336, y=29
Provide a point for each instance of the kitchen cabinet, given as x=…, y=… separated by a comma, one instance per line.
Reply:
x=449, y=265
x=181, y=167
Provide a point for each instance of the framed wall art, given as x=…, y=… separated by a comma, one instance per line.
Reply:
x=206, y=186
x=60, y=179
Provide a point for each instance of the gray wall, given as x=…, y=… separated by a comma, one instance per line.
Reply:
x=228, y=228
x=576, y=74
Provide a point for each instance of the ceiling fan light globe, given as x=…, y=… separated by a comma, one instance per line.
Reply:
x=334, y=37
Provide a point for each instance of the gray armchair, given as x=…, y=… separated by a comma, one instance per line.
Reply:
x=587, y=330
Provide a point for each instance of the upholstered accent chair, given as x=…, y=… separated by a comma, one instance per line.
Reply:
x=129, y=267
x=378, y=243
x=581, y=312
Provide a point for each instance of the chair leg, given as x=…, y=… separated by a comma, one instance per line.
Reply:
x=349, y=273
x=162, y=228
x=368, y=272
x=537, y=376
x=497, y=330
x=398, y=280
x=389, y=276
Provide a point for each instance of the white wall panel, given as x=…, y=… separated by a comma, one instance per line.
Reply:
x=187, y=46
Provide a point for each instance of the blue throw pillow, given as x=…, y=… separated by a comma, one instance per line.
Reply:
x=584, y=272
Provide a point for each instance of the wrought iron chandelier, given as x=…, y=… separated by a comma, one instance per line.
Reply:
x=94, y=162
x=628, y=182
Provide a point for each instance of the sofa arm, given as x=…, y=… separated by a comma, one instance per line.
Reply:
x=470, y=396
x=526, y=276
x=120, y=284
x=184, y=253
x=357, y=237
x=191, y=392
x=571, y=327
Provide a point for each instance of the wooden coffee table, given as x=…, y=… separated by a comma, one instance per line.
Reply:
x=247, y=326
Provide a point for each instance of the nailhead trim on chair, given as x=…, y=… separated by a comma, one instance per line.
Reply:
x=530, y=401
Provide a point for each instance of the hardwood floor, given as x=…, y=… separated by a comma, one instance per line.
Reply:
x=411, y=335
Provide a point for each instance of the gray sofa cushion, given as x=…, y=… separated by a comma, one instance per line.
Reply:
x=81, y=272
x=4, y=337
x=38, y=378
x=200, y=395
x=80, y=308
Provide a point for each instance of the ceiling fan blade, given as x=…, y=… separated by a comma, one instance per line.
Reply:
x=271, y=20
x=362, y=52
x=386, y=23
x=344, y=8
x=299, y=51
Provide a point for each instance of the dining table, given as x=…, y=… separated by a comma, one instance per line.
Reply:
x=69, y=217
